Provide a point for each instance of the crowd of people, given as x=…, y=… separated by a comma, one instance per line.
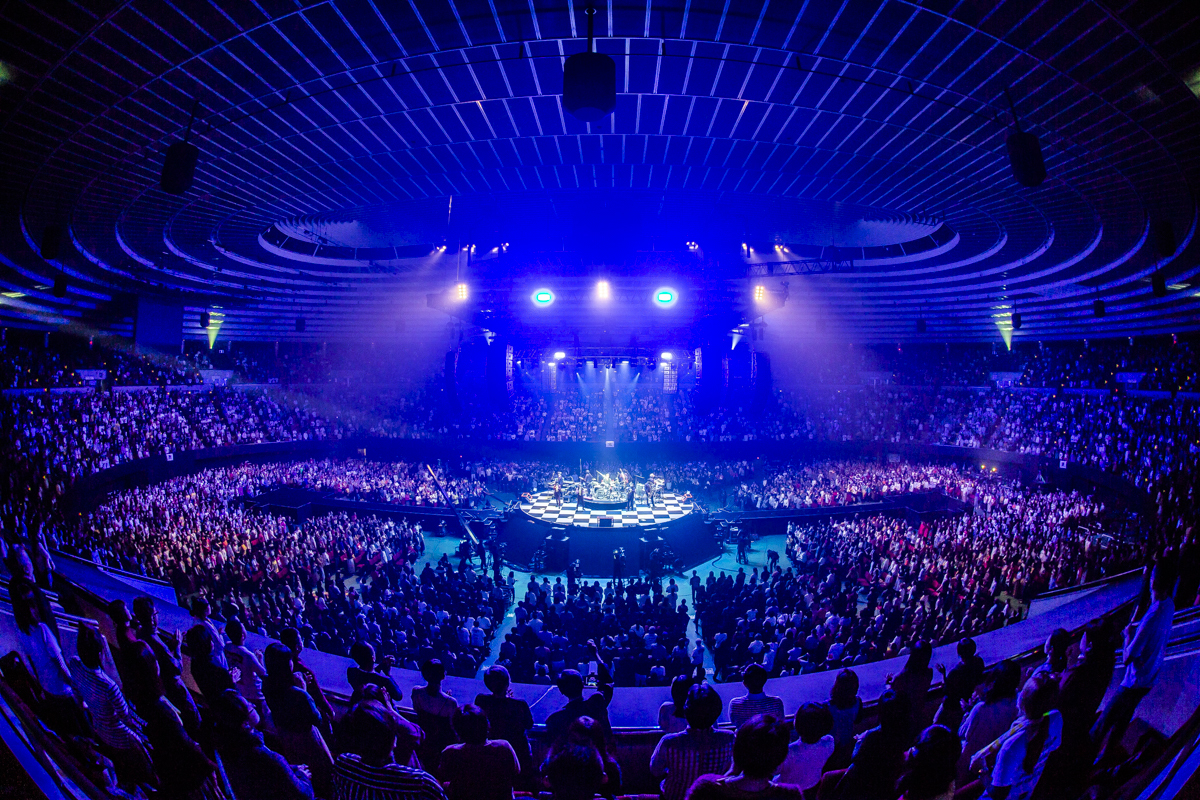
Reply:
x=576, y=418
x=864, y=588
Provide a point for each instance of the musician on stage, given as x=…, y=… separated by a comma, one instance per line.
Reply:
x=558, y=490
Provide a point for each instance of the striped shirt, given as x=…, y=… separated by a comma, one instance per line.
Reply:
x=115, y=724
x=354, y=780
x=687, y=755
x=742, y=709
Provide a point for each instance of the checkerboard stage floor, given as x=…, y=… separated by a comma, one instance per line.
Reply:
x=668, y=509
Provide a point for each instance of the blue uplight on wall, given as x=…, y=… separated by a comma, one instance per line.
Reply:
x=543, y=297
x=665, y=296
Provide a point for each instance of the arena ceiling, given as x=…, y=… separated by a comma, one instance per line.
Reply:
x=344, y=144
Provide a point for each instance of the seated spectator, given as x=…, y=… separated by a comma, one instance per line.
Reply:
x=364, y=672
x=116, y=726
x=761, y=746
x=435, y=709
x=369, y=769
x=810, y=752
x=680, y=758
x=755, y=702
x=929, y=766
x=1056, y=648
x=509, y=718
x=295, y=717
x=845, y=706
x=990, y=716
x=877, y=757
x=479, y=767
x=671, y=717
x=250, y=668
x=1013, y=764
x=586, y=731
x=574, y=773
x=253, y=769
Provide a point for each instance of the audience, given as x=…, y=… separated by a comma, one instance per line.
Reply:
x=760, y=747
x=509, y=718
x=681, y=758
x=808, y=755
x=478, y=767
x=755, y=702
x=374, y=760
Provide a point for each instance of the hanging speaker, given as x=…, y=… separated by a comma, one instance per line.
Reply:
x=300, y=324
x=921, y=326
x=60, y=287
x=52, y=238
x=1025, y=156
x=179, y=168
x=590, y=86
x=1164, y=238
x=204, y=319
x=1158, y=284
x=1098, y=308
x=1016, y=320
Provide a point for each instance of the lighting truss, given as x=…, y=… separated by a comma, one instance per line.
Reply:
x=803, y=266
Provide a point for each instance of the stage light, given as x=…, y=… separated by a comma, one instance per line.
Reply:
x=543, y=297
x=760, y=293
x=667, y=356
x=462, y=291
x=603, y=290
x=560, y=355
x=665, y=296
x=204, y=319
x=1016, y=320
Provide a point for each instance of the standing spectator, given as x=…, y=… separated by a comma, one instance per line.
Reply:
x=929, y=767
x=368, y=768
x=755, y=701
x=1019, y=755
x=116, y=726
x=914, y=680
x=170, y=661
x=595, y=705
x=877, y=757
x=364, y=672
x=959, y=684
x=254, y=770
x=201, y=615
x=296, y=717
x=509, y=718
x=435, y=709
x=209, y=676
x=991, y=716
x=479, y=767
x=575, y=772
x=845, y=706
x=1080, y=692
x=680, y=758
x=290, y=637
x=671, y=716
x=41, y=654
x=250, y=669
x=760, y=747
x=810, y=752
x=1145, y=644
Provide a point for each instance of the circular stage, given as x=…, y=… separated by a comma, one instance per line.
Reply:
x=670, y=507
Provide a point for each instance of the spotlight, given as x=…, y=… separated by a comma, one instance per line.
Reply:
x=559, y=355
x=462, y=291
x=666, y=356
x=603, y=290
x=1016, y=320
x=760, y=293
x=204, y=319
x=665, y=296
x=543, y=297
